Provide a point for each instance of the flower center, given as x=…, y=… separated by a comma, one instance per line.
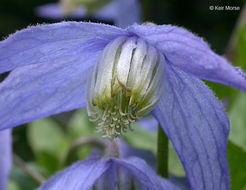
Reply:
x=125, y=85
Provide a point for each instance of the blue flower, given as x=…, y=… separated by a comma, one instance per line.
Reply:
x=107, y=174
x=56, y=11
x=50, y=66
x=5, y=158
x=117, y=168
x=114, y=11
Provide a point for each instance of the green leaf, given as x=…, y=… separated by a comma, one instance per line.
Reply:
x=237, y=162
x=49, y=143
x=48, y=161
x=46, y=135
x=237, y=117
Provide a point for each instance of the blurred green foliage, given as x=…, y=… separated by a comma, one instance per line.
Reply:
x=92, y=5
x=238, y=121
x=19, y=180
x=237, y=111
x=237, y=160
x=49, y=143
x=241, y=48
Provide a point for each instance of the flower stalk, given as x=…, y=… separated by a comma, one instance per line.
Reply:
x=112, y=150
x=162, y=153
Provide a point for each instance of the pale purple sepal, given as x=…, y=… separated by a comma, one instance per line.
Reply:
x=48, y=44
x=5, y=157
x=180, y=182
x=144, y=174
x=196, y=123
x=191, y=54
x=81, y=175
x=85, y=174
x=51, y=66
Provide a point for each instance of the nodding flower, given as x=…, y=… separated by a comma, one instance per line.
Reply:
x=121, y=75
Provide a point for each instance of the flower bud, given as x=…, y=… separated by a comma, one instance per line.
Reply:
x=125, y=84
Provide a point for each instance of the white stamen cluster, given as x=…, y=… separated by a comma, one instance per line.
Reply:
x=115, y=118
x=125, y=85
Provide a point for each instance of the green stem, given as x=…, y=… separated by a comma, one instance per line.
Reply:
x=162, y=153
